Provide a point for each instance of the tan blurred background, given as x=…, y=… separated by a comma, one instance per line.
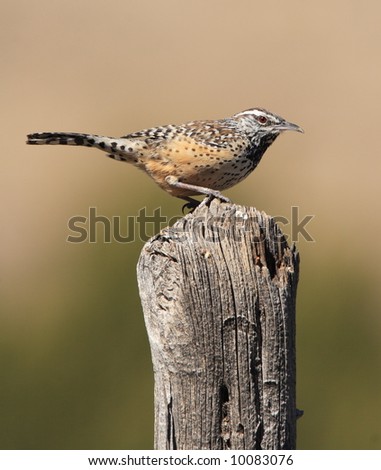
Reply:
x=75, y=362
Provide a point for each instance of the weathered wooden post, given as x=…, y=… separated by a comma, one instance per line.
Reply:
x=218, y=291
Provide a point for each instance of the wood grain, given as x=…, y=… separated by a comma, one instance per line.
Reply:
x=218, y=291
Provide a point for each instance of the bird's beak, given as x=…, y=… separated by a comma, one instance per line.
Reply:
x=289, y=126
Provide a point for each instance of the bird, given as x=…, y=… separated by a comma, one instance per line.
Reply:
x=202, y=157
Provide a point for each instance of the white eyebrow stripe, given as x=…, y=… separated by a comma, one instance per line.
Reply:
x=252, y=112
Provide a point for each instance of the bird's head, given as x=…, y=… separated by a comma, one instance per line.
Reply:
x=260, y=123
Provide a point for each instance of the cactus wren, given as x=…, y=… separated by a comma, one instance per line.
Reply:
x=198, y=157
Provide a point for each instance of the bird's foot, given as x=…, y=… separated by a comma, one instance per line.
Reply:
x=190, y=205
x=214, y=195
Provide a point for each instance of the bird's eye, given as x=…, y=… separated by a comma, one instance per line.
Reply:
x=262, y=119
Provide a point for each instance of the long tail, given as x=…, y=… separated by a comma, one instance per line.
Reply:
x=108, y=144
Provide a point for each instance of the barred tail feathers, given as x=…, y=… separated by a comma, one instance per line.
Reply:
x=66, y=138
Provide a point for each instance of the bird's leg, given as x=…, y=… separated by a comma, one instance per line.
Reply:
x=193, y=203
x=211, y=193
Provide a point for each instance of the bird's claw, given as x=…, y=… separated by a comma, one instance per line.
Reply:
x=191, y=205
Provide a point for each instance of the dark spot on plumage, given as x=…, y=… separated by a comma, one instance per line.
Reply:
x=78, y=140
x=122, y=147
x=102, y=145
x=113, y=144
x=91, y=141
